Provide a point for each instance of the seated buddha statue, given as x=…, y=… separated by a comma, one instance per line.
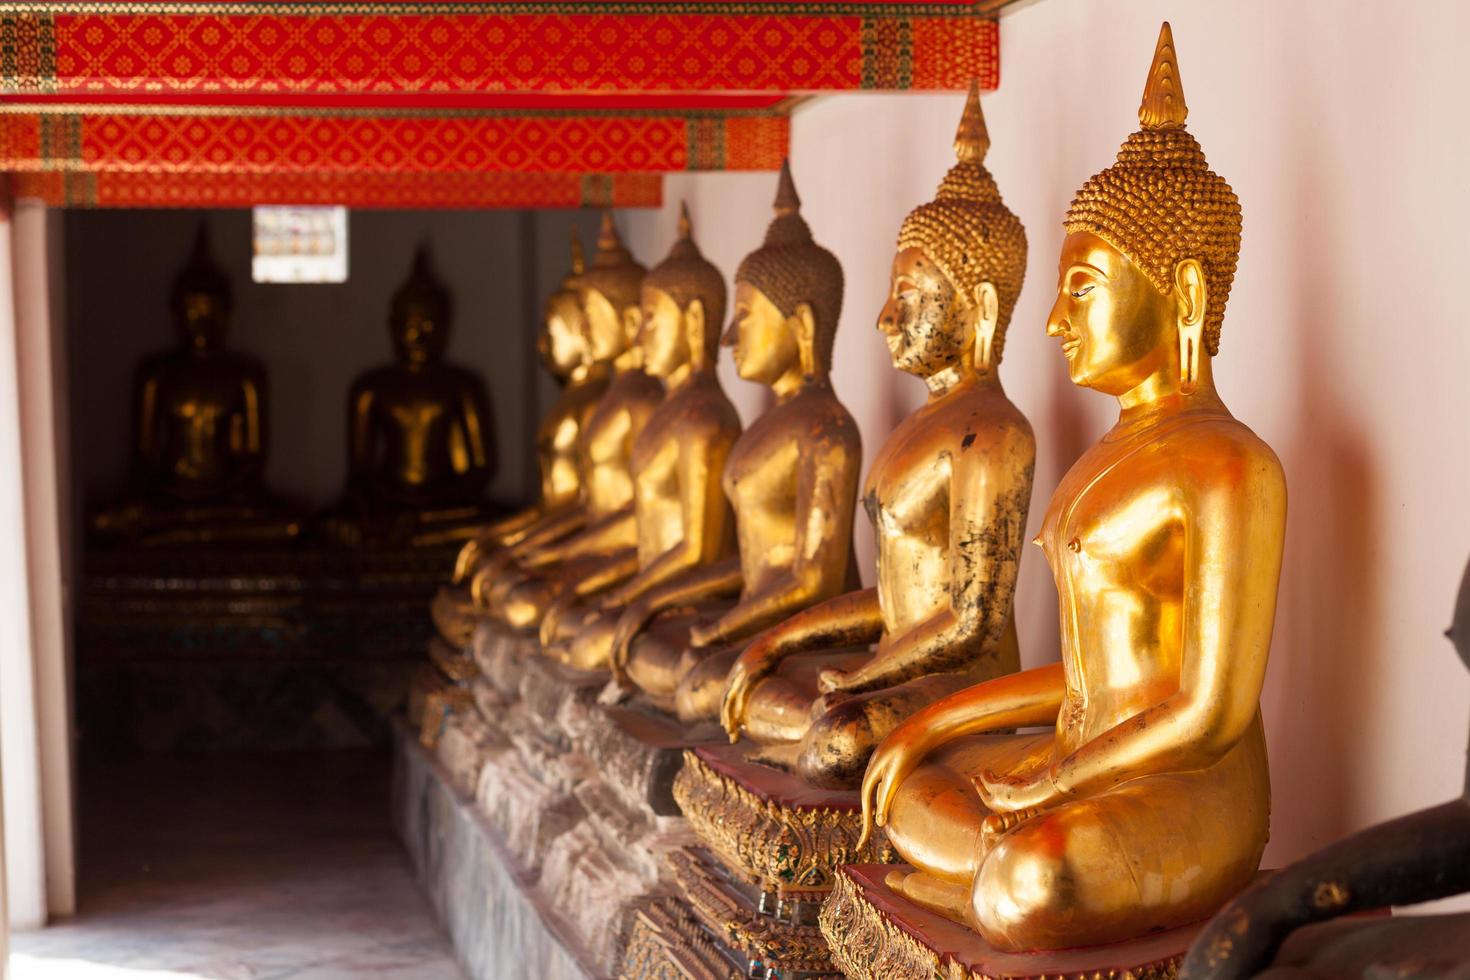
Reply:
x=947, y=494
x=1145, y=805
x=566, y=352
x=1416, y=858
x=679, y=510
x=418, y=430
x=200, y=443
x=792, y=477
x=517, y=583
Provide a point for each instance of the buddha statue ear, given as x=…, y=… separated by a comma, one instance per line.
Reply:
x=803, y=326
x=1190, y=297
x=987, y=320
x=699, y=356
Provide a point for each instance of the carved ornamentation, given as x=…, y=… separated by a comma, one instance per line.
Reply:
x=780, y=848
x=867, y=944
x=665, y=943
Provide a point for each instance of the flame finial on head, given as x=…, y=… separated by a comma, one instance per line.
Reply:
x=1163, y=104
x=972, y=139
x=787, y=201
x=201, y=274
x=613, y=271
x=579, y=264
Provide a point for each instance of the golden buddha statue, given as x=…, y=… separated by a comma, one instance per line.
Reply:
x=792, y=476
x=947, y=495
x=200, y=441
x=680, y=513
x=1146, y=807
x=419, y=429
x=566, y=352
x=519, y=582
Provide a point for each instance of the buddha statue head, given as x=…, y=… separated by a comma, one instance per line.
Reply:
x=1150, y=254
x=609, y=291
x=419, y=314
x=683, y=307
x=202, y=297
x=788, y=297
x=959, y=268
x=563, y=341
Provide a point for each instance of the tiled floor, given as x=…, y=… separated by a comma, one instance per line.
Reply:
x=218, y=867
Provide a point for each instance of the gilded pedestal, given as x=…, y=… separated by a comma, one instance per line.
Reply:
x=876, y=935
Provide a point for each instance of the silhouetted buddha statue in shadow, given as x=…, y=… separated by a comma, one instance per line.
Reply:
x=200, y=430
x=1417, y=858
x=418, y=431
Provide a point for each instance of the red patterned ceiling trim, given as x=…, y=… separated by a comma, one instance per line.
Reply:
x=338, y=142
x=454, y=49
x=131, y=189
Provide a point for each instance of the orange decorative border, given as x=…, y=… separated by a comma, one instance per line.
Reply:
x=456, y=48
x=229, y=189
x=215, y=139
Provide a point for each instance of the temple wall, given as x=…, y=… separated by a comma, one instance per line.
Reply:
x=314, y=339
x=1345, y=344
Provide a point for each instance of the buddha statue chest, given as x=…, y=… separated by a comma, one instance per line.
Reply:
x=203, y=407
x=607, y=440
x=421, y=432
x=1115, y=536
x=908, y=501
x=656, y=466
x=760, y=482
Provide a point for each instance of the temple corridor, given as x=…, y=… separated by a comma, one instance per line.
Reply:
x=228, y=866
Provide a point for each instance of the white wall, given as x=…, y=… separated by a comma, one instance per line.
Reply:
x=1345, y=343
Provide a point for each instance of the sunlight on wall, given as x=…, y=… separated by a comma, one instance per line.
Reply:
x=27, y=967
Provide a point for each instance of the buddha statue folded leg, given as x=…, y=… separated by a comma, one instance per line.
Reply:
x=527, y=602
x=1153, y=853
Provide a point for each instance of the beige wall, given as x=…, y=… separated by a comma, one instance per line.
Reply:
x=313, y=338
x=1345, y=345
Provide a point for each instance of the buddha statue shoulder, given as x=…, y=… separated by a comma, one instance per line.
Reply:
x=419, y=429
x=791, y=477
x=1145, y=804
x=519, y=587
x=200, y=428
x=947, y=494
x=566, y=353
x=1416, y=858
x=680, y=515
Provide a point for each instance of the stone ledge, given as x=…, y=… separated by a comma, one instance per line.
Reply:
x=490, y=908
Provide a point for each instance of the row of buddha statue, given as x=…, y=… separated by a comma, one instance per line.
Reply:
x=707, y=572
x=419, y=432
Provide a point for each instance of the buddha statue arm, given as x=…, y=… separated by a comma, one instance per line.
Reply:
x=251, y=452
x=610, y=532
x=477, y=466
x=703, y=510
x=554, y=525
x=360, y=438
x=148, y=447
x=1029, y=698
x=847, y=620
x=715, y=580
x=1416, y=858
x=990, y=493
x=826, y=492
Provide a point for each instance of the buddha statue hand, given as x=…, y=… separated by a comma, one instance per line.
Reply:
x=892, y=762
x=630, y=623
x=1007, y=793
x=464, y=563
x=756, y=662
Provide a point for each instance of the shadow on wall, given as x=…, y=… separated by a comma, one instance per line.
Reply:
x=1326, y=662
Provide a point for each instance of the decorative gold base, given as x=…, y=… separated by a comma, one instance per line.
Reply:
x=769, y=827
x=666, y=943
x=455, y=615
x=439, y=706
x=876, y=935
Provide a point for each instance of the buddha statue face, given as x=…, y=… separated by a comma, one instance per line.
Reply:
x=666, y=332
x=607, y=329
x=202, y=316
x=419, y=333
x=1116, y=327
x=926, y=324
x=563, y=342
x=1113, y=324
x=766, y=347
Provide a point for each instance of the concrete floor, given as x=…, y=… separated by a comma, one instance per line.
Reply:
x=240, y=867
